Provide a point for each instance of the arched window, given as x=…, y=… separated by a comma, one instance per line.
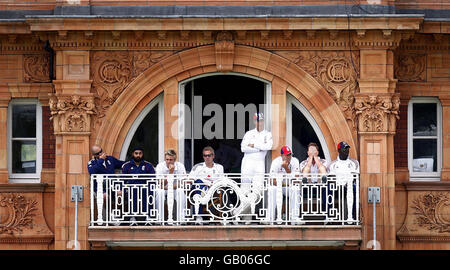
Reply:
x=147, y=131
x=302, y=129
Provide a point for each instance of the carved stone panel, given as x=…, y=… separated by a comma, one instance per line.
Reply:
x=377, y=113
x=411, y=67
x=428, y=217
x=18, y=213
x=112, y=72
x=336, y=71
x=36, y=68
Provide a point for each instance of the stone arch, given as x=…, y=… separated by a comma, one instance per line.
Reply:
x=283, y=74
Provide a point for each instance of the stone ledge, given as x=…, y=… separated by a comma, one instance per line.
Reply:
x=226, y=233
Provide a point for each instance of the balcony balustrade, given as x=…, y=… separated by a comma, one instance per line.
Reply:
x=228, y=200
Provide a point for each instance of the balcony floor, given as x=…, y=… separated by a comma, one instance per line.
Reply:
x=207, y=237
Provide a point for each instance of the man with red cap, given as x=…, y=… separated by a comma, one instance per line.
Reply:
x=281, y=169
x=343, y=167
x=254, y=145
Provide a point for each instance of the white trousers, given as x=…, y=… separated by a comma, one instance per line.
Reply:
x=178, y=195
x=252, y=181
x=275, y=202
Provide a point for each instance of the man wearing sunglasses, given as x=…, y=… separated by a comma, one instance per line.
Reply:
x=101, y=163
x=204, y=174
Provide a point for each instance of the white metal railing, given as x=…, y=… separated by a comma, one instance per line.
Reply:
x=231, y=199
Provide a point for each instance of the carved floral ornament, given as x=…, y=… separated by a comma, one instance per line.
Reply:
x=17, y=213
x=336, y=71
x=377, y=113
x=411, y=67
x=71, y=113
x=36, y=68
x=112, y=71
x=432, y=212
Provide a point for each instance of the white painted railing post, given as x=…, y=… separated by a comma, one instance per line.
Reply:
x=100, y=179
x=279, y=199
x=170, y=198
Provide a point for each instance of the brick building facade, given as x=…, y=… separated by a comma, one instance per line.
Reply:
x=365, y=71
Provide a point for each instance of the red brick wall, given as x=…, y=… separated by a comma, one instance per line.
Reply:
x=401, y=139
x=48, y=140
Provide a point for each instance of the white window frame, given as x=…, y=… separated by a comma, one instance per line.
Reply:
x=157, y=101
x=292, y=101
x=25, y=177
x=428, y=176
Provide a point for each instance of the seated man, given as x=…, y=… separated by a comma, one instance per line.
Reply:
x=314, y=164
x=285, y=164
x=343, y=167
x=204, y=174
x=137, y=165
x=173, y=167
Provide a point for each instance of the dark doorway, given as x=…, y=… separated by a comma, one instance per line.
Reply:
x=221, y=90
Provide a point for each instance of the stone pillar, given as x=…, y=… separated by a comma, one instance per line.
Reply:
x=71, y=108
x=4, y=101
x=377, y=112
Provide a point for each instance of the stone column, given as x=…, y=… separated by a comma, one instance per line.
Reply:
x=4, y=101
x=377, y=112
x=71, y=108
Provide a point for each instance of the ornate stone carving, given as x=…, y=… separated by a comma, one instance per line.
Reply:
x=112, y=71
x=428, y=215
x=36, y=68
x=71, y=113
x=224, y=51
x=18, y=215
x=377, y=113
x=337, y=72
x=411, y=67
x=432, y=212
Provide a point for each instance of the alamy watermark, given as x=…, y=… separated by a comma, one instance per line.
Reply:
x=222, y=122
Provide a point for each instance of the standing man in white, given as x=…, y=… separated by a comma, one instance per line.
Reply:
x=343, y=167
x=254, y=145
x=282, y=170
x=170, y=167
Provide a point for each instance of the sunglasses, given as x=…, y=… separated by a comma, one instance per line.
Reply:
x=208, y=155
x=97, y=154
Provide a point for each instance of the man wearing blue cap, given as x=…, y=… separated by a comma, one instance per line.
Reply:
x=343, y=167
x=137, y=165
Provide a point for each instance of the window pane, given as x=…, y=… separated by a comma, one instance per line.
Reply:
x=424, y=119
x=24, y=121
x=146, y=136
x=302, y=134
x=425, y=155
x=24, y=157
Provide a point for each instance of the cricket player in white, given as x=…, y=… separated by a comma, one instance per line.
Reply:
x=205, y=173
x=343, y=168
x=254, y=145
x=170, y=167
x=284, y=165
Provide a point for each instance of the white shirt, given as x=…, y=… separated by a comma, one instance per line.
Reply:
x=162, y=168
x=262, y=142
x=314, y=167
x=343, y=167
x=276, y=167
x=339, y=166
x=200, y=170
